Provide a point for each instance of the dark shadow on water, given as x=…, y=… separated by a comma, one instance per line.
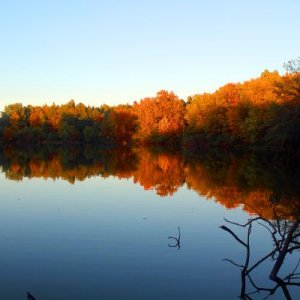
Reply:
x=30, y=297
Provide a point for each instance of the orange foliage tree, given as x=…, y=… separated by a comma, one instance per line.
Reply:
x=160, y=116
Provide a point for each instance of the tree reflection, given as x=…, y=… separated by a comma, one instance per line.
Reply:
x=266, y=185
x=285, y=235
x=254, y=181
x=70, y=164
x=161, y=171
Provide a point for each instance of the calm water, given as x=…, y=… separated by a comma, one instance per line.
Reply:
x=88, y=224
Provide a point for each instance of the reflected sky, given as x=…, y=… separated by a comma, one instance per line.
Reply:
x=108, y=238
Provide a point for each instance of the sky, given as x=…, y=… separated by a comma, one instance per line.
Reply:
x=115, y=52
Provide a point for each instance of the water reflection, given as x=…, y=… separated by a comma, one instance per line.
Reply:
x=265, y=185
x=284, y=235
x=30, y=297
x=255, y=181
x=176, y=241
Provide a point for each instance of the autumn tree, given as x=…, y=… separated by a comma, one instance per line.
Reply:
x=160, y=116
x=120, y=124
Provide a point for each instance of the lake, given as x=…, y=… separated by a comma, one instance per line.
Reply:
x=86, y=223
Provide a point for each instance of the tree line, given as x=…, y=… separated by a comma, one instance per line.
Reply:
x=264, y=111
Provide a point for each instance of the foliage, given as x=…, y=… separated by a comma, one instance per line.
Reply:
x=261, y=112
x=161, y=116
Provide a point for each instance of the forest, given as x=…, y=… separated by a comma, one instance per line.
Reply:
x=259, y=113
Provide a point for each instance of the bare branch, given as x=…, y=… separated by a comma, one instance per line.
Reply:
x=242, y=225
x=232, y=262
x=234, y=235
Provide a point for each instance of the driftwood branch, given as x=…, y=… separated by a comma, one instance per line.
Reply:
x=284, y=234
x=177, y=240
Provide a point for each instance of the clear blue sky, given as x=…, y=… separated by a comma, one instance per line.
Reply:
x=119, y=51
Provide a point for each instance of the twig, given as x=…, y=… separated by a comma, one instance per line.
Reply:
x=177, y=240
